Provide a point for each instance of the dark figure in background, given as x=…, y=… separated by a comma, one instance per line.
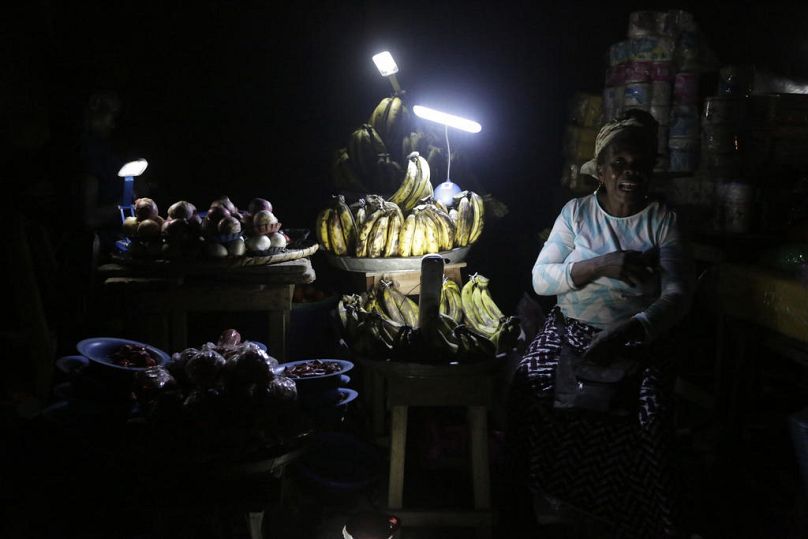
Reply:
x=616, y=264
x=100, y=188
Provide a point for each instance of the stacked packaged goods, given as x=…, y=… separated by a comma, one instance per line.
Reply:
x=751, y=141
x=586, y=117
x=655, y=70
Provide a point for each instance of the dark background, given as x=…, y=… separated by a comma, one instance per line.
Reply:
x=251, y=98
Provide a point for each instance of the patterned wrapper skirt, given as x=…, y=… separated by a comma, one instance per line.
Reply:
x=617, y=472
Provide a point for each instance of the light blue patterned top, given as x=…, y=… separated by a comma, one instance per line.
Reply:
x=584, y=230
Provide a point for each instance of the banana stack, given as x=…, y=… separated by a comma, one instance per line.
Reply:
x=451, y=304
x=468, y=215
x=335, y=228
x=392, y=120
x=484, y=317
x=416, y=184
x=384, y=323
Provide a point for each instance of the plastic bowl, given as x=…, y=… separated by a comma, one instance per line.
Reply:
x=340, y=463
x=310, y=387
x=99, y=350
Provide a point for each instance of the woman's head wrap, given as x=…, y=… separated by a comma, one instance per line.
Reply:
x=631, y=120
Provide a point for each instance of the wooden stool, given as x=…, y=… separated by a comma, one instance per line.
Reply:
x=469, y=386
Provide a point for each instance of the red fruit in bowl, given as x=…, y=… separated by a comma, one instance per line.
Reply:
x=145, y=208
x=229, y=225
x=181, y=210
x=258, y=204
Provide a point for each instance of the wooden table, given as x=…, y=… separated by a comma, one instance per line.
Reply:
x=156, y=298
x=420, y=384
x=761, y=306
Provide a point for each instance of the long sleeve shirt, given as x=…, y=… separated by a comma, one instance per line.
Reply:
x=582, y=231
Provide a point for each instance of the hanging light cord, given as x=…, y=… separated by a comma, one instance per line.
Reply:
x=448, y=152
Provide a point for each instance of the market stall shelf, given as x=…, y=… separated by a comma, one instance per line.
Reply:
x=410, y=263
x=188, y=264
x=155, y=299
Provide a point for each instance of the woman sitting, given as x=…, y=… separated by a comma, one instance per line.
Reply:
x=616, y=263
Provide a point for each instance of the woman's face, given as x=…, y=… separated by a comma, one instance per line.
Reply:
x=625, y=174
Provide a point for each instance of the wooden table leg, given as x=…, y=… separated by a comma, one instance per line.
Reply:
x=478, y=427
x=398, y=446
x=278, y=322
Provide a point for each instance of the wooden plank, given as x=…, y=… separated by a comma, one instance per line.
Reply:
x=409, y=281
x=440, y=391
x=478, y=428
x=398, y=446
x=212, y=298
x=466, y=519
x=278, y=326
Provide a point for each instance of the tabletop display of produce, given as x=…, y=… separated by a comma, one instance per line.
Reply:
x=228, y=399
x=388, y=209
x=383, y=324
x=222, y=232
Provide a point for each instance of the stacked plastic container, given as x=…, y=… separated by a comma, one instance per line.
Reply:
x=585, y=118
x=655, y=70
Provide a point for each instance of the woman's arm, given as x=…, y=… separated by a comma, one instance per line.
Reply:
x=676, y=283
x=551, y=274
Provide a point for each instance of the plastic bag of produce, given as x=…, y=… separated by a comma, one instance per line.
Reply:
x=204, y=367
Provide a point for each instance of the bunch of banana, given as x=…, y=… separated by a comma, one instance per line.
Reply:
x=378, y=234
x=343, y=173
x=363, y=150
x=451, y=304
x=392, y=120
x=416, y=141
x=388, y=174
x=397, y=306
x=479, y=309
x=468, y=215
x=416, y=184
x=335, y=228
x=507, y=334
x=426, y=230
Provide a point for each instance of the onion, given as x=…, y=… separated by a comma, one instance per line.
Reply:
x=229, y=225
x=145, y=208
x=262, y=221
x=258, y=204
x=217, y=213
x=215, y=250
x=148, y=229
x=277, y=240
x=181, y=210
x=130, y=226
x=236, y=248
x=258, y=243
x=224, y=202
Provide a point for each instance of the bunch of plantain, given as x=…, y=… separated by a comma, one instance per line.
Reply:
x=427, y=229
x=335, y=228
x=451, y=304
x=392, y=120
x=379, y=223
x=343, y=174
x=468, y=215
x=480, y=310
x=416, y=184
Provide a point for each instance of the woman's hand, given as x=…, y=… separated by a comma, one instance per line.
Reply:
x=607, y=344
x=632, y=267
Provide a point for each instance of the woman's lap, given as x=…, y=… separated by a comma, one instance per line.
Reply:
x=607, y=468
